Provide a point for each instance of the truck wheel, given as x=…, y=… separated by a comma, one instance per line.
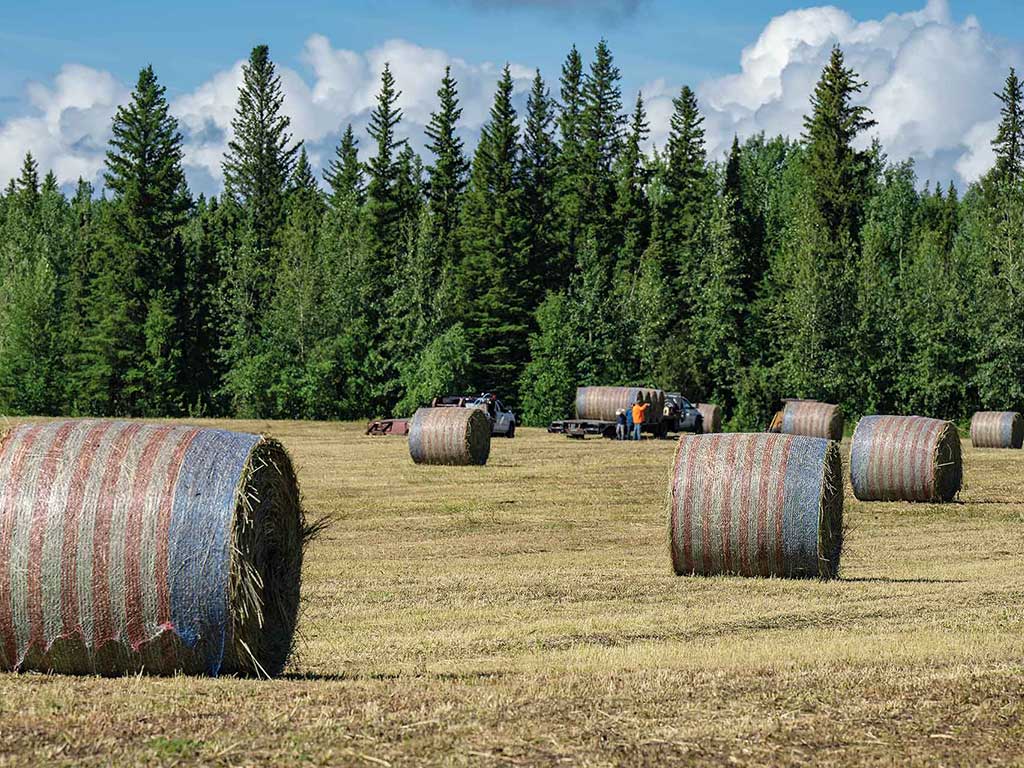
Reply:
x=511, y=432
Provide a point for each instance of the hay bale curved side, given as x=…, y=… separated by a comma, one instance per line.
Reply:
x=997, y=429
x=450, y=436
x=128, y=547
x=712, y=415
x=813, y=419
x=756, y=505
x=905, y=458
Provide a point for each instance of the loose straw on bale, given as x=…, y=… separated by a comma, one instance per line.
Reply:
x=1001, y=429
x=602, y=403
x=756, y=505
x=128, y=547
x=712, y=415
x=454, y=436
x=905, y=458
x=812, y=419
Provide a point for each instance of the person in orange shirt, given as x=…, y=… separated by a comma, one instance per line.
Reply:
x=639, y=413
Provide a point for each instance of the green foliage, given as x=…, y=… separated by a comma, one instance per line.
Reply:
x=565, y=254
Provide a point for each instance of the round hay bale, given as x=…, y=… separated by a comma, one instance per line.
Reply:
x=712, y=417
x=812, y=419
x=601, y=403
x=453, y=436
x=157, y=548
x=905, y=458
x=997, y=429
x=756, y=505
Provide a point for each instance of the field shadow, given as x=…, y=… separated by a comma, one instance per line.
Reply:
x=348, y=677
x=889, y=580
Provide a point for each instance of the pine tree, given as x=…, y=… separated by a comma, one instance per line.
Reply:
x=686, y=182
x=1009, y=140
x=632, y=210
x=546, y=267
x=569, y=203
x=344, y=174
x=493, y=236
x=257, y=169
x=133, y=340
x=447, y=176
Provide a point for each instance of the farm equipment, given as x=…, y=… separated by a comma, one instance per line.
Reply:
x=596, y=408
x=380, y=427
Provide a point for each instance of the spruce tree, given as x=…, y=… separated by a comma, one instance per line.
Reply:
x=1009, y=141
x=133, y=353
x=570, y=204
x=493, y=236
x=257, y=168
x=632, y=210
x=447, y=175
x=686, y=181
x=344, y=174
x=546, y=266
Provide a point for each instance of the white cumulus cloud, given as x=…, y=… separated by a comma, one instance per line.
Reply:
x=930, y=76
x=930, y=84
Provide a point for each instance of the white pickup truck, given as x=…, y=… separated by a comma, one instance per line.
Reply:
x=503, y=421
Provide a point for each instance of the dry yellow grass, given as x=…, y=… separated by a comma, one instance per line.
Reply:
x=525, y=613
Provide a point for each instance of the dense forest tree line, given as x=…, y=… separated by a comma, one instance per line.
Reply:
x=558, y=253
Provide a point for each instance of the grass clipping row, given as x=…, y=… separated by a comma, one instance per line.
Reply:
x=905, y=458
x=156, y=548
x=756, y=505
x=452, y=436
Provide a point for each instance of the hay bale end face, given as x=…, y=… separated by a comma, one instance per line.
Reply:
x=128, y=547
x=997, y=429
x=812, y=419
x=905, y=458
x=602, y=403
x=756, y=505
x=712, y=415
x=452, y=436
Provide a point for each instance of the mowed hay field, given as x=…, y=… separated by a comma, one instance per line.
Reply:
x=525, y=613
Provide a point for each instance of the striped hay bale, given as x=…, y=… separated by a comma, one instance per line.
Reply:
x=601, y=403
x=129, y=547
x=905, y=458
x=756, y=505
x=812, y=419
x=453, y=436
x=997, y=429
x=712, y=417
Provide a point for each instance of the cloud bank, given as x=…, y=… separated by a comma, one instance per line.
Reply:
x=930, y=78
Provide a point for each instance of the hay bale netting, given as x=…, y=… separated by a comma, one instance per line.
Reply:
x=128, y=547
x=997, y=429
x=712, y=415
x=812, y=419
x=602, y=403
x=756, y=505
x=454, y=436
x=905, y=458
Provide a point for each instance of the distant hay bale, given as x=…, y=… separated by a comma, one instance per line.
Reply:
x=453, y=436
x=712, y=415
x=997, y=429
x=602, y=403
x=812, y=419
x=756, y=505
x=157, y=548
x=905, y=458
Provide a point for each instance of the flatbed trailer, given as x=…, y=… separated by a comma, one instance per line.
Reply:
x=581, y=428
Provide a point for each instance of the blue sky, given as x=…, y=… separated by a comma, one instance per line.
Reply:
x=658, y=44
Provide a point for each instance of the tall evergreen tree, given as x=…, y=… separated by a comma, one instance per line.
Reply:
x=547, y=268
x=493, y=238
x=447, y=175
x=1009, y=141
x=344, y=174
x=570, y=204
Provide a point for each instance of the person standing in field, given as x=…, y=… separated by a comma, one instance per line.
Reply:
x=620, y=424
x=629, y=423
x=639, y=413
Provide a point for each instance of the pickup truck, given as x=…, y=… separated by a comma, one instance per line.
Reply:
x=503, y=421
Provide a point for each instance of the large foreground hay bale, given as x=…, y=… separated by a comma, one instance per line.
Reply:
x=712, y=415
x=756, y=505
x=131, y=547
x=997, y=429
x=602, y=403
x=454, y=436
x=812, y=419
x=905, y=458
